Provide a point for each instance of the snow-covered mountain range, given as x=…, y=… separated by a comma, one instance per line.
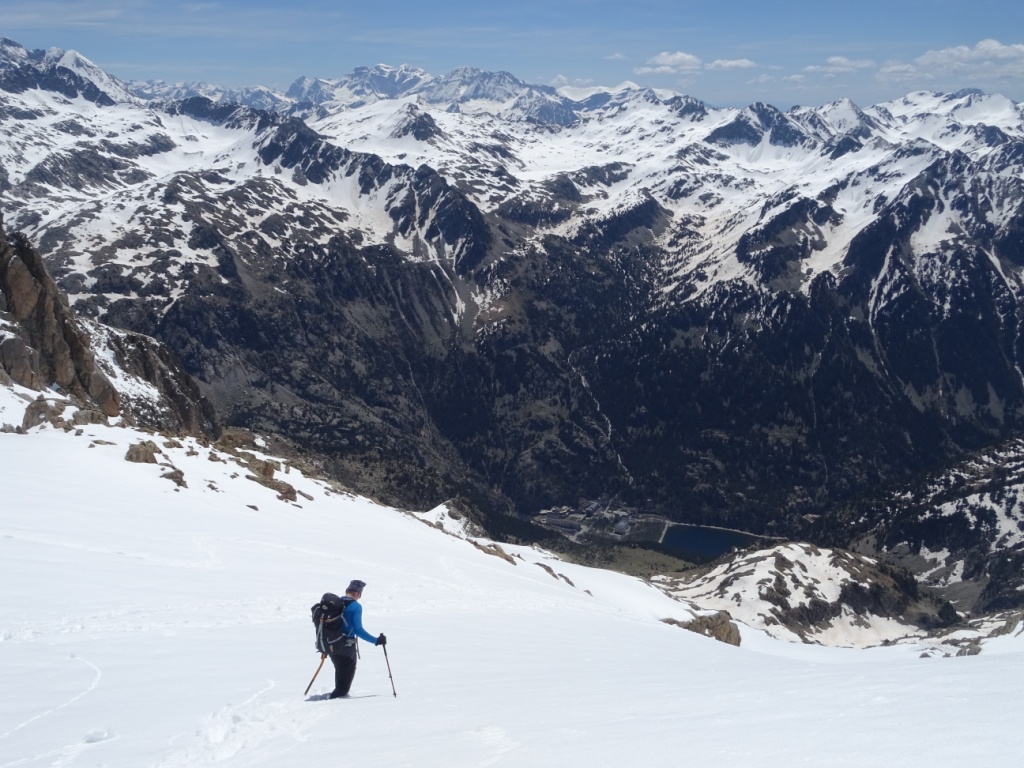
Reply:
x=466, y=285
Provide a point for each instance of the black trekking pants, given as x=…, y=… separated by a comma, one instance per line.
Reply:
x=344, y=669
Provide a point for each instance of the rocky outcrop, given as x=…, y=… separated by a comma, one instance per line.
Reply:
x=44, y=344
x=19, y=363
x=718, y=625
x=178, y=407
x=958, y=529
x=52, y=348
x=41, y=411
x=142, y=453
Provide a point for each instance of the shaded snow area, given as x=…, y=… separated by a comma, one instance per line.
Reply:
x=144, y=623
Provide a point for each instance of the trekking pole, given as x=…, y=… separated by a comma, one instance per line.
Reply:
x=389, y=671
x=322, y=657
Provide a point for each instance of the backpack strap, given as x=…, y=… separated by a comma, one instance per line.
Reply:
x=347, y=602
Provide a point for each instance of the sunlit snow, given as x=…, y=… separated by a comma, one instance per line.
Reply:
x=143, y=624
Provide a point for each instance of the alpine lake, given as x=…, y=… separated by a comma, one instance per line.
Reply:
x=692, y=543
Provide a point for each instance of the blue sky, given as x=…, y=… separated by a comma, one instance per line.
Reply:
x=783, y=52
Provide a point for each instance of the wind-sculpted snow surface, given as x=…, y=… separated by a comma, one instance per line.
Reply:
x=147, y=623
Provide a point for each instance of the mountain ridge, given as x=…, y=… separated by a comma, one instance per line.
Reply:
x=744, y=316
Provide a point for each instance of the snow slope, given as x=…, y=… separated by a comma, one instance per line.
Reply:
x=144, y=624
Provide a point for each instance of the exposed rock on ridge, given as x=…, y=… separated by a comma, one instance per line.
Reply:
x=798, y=591
x=180, y=407
x=63, y=353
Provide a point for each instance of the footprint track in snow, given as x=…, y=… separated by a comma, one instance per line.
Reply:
x=67, y=754
x=254, y=725
x=496, y=738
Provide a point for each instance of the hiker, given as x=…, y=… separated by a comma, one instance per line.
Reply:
x=344, y=658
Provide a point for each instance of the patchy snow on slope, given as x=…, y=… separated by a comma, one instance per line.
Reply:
x=764, y=589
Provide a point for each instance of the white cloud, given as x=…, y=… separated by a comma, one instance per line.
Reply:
x=666, y=63
x=897, y=72
x=679, y=62
x=560, y=81
x=731, y=64
x=45, y=14
x=614, y=57
x=839, y=64
x=988, y=57
x=988, y=63
x=985, y=51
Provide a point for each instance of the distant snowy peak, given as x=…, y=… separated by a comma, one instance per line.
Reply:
x=467, y=89
x=836, y=119
x=412, y=121
x=257, y=97
x=608, y=102
x=969, y=107
x=467, y=84
x=502, y=94
x=56, y=69
x=752, y=124
x=364, y=85
x=463, y=89
x=12, y=53
x=540, y=107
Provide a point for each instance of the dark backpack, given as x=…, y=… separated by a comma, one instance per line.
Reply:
x=329, y=620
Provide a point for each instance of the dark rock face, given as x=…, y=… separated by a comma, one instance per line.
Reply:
x=20, y=363
x=334, y=363
x=419, y=125
x=755, y=412
x=52, y=78
x=63, y=355
x=739, y=131
x=78, y=170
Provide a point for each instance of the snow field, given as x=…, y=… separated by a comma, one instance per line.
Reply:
x=145, y=625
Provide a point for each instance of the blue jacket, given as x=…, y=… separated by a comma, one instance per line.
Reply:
x=354, y=623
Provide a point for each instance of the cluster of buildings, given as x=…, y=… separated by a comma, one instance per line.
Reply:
x=590, y=517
